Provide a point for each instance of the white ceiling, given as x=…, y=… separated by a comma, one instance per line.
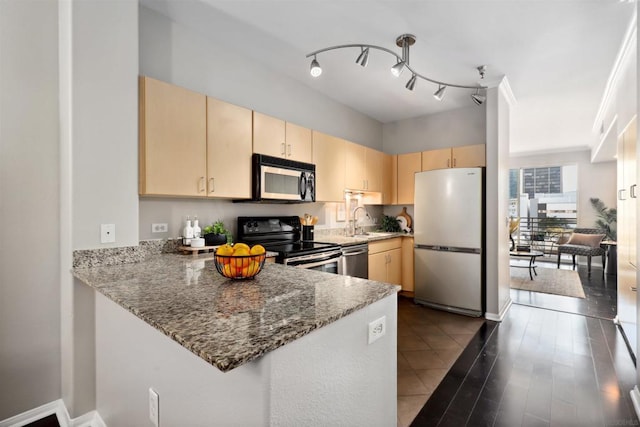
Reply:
x=556, y=54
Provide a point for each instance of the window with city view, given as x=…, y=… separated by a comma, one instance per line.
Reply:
x=545, y=200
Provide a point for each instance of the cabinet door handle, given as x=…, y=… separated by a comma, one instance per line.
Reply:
x=212, y=187
x=448, y=163
x=454, y=162
x=632, y=191
x=289, y=150
x=282, y=148
x=620, y=197
x=201, y=189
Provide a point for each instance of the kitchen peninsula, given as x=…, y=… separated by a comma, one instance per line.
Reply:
x=287, y=348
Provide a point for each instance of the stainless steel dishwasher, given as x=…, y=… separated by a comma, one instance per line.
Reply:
x=355, y=261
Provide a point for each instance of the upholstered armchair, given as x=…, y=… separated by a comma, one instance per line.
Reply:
x=585, y=242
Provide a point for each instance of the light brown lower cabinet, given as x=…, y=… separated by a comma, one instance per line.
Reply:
x=385, y=260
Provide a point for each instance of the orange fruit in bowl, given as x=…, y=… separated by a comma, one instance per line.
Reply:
x=258, y=250
x=241, y=262
x=228, y=270
x=253, y=268
x=225, y=251
x=238, y=246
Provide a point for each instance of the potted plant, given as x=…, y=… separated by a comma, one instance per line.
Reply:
x=216, y=234
x=607, y=218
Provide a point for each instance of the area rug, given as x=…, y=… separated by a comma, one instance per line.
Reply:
x=548, y=281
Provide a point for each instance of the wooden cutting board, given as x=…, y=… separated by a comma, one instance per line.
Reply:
x=406, y=215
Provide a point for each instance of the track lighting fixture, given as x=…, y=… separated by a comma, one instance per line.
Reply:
x=477, y=98
x=363, y=58
x=439, y=94
x=411, y=83
x=396, y=70
x=316, y=70
x=405, y=41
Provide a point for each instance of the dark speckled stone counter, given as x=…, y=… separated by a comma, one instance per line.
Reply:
x=226, y=322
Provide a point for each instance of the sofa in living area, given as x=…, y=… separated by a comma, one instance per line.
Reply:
x=585, y=242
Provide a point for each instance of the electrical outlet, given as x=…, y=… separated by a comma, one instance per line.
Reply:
x=160, y=228
x=154, y=407
x=107, y=233
x=377, y=329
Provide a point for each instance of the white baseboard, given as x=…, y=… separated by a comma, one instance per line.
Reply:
x=90, y=419
x=499, y=317
x=635, y=398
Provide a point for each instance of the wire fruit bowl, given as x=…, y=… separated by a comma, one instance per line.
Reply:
x=239, y=266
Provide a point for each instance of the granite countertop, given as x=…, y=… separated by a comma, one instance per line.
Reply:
x=226, y=322
x=354, y=240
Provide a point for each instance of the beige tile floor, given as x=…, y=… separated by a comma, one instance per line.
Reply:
x=429, y=342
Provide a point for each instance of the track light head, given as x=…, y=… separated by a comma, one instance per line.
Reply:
x=396, y=70
x=439, y=94
x=315, y=68
x=477, y=98
x=363, y=58
x=411, y=83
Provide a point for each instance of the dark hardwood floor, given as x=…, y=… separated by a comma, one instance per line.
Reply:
x=600, y=294
x=566, y=364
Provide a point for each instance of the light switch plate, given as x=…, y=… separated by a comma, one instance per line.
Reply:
x=107, y=233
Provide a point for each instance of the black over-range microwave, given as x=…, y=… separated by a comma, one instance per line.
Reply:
x=280, y=180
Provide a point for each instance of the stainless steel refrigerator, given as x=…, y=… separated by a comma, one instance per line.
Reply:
x=449, y=240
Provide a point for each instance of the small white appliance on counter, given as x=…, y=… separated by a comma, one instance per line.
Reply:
x=449, y=240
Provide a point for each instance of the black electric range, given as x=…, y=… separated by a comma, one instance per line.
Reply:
x=281, y=234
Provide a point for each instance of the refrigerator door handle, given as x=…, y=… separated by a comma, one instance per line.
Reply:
x=449, y=249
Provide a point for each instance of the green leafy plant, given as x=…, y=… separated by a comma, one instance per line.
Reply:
x=607, y=217
x=218, y=228
x=390, y=224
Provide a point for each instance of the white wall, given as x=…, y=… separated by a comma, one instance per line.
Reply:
x=497, y=200
x=209, y=64
x=328, y=377
x=464, y=126
x=29, y=280
x=594, y=179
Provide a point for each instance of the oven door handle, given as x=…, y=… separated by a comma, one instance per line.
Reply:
x=314, y=262
x=354, y=253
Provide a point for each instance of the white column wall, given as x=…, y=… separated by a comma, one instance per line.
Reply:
x=29, y=176
x=497, y=199
x=105, y=121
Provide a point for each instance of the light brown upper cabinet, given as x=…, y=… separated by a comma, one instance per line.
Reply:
x=363, y=168
x=173, y=146
x=374, y=162
x=408, y=165
x=389, y=179
x=355, y=166
x=466, y=156
x=329, y=158
x=393, y=180
x=277, y=138
x=229, y=150
x=187, y=142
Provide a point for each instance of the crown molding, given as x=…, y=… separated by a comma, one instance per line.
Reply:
x=627, y=48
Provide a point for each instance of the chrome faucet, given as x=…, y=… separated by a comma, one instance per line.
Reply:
x=355, y=219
